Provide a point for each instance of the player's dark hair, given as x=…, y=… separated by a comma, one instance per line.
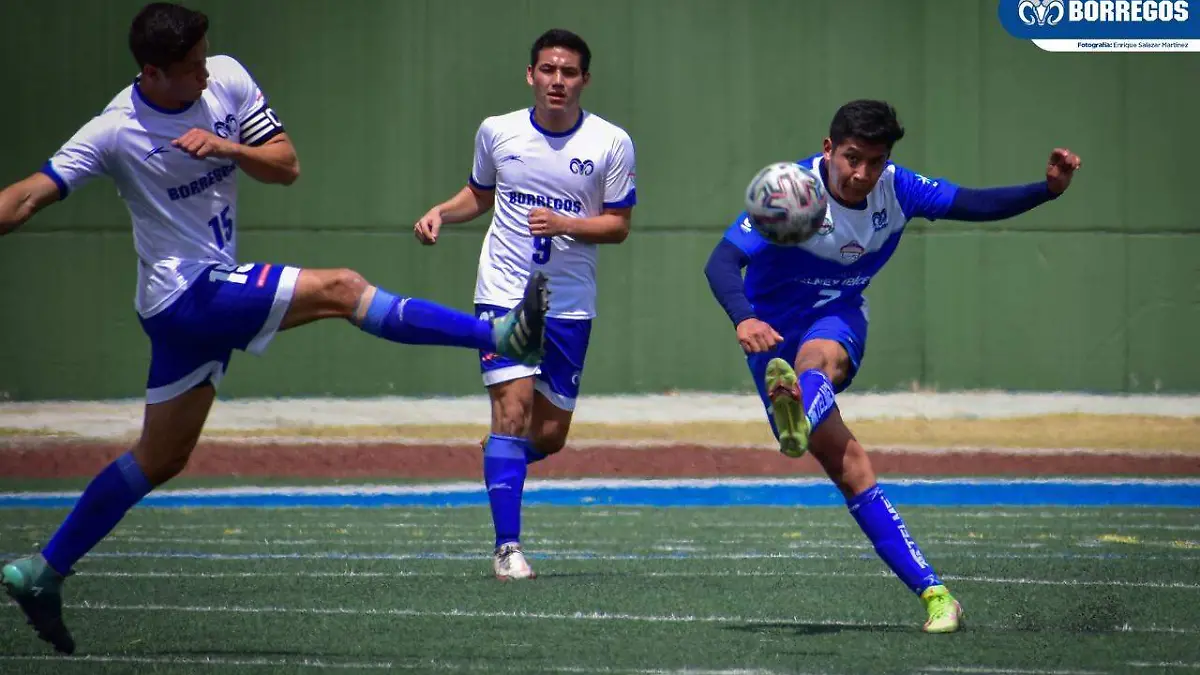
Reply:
x=557, y=37
x=163, y=33
x=871, y=121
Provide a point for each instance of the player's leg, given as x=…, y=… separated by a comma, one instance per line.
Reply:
x=828, y=358
x=506, y=451
x=343, y=293
x=847, y=464
x=180, y=392
x=557, y=384
x=526, y=428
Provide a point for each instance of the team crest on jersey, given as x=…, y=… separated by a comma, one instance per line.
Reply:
x=583, y=167
x=853, y=251
x=227, y=127
x=879, y=220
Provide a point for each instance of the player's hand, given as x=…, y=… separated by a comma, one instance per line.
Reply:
x=201, y=144
x=545, y=223
x=427, y=228
x=1060, y=169
x=757, y=336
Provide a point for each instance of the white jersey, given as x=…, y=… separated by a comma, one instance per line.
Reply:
x=576, y=173
x=184, y=210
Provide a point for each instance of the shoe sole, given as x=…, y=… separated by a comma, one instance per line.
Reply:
x=530, y=321
x=783, y=389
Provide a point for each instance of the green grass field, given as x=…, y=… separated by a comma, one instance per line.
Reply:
x=621, y=590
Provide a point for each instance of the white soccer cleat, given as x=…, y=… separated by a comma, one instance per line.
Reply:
x=510, y=565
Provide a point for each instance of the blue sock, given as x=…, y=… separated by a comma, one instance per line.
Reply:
x=101, y=506
x=883, y=526
x=816, y=394
x=420, y=322
x=504, y=468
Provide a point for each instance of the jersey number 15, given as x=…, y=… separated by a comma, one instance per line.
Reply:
x=222, y=227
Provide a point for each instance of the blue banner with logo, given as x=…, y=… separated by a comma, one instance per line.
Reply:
x=1155, y=25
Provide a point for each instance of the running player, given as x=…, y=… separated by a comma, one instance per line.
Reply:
x=561, y=180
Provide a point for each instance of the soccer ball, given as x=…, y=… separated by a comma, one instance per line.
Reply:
x=786, y=203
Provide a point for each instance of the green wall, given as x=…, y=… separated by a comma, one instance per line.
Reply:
x=1097, y=291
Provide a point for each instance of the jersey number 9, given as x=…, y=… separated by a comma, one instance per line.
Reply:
x=541, y=250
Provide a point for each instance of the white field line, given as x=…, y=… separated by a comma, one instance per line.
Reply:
x=551, y=616
x=585, y=555
x=404, y=574
x=423, y=666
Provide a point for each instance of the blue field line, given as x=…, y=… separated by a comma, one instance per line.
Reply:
x=672, y=493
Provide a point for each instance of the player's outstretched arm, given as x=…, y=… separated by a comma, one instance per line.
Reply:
x=990, y=204
x=610, y=227
x=19, y=201
x=272, y=162
x=467, y=204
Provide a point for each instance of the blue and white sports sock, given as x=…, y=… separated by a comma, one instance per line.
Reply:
x=886, y=530
x=816, y=395
x=102, y=505
x=420, y=322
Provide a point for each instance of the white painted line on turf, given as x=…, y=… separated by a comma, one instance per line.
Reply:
x=681, y=556
x=372, y=665
x=551, y=616
x=1164, y=664
x=1160, y=585
x=994, y=670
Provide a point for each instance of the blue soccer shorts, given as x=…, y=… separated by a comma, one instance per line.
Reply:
x=846, y=326
x=559, y=372
x=226, y=308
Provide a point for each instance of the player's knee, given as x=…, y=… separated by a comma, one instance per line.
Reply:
x=510, y=416
x=161, y=462
x=827, y=356
x=550, y=441
x=343, y=288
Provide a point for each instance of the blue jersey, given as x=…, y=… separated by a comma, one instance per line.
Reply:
x=789, y=286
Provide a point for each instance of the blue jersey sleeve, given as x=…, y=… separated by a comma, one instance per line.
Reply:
x=922, y=197
x=743, y=235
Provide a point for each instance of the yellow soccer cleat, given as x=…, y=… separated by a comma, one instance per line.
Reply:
x=945, y=614
x=783, y=388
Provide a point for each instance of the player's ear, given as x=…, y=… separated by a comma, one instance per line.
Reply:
x=827, y=148
x=529, y=75
x=587, y=77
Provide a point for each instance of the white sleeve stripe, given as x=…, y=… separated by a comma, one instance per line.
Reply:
x=260, y=125
x=256, y=126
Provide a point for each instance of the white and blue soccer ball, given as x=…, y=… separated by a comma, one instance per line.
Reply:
x=786, y=203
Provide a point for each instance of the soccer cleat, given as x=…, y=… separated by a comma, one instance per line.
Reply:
x=37, y=589
x=945, y=614
x=509, y=563
x=519, y=334
x=783, y=389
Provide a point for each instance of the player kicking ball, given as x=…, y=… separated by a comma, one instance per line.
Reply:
x=801, y=316
x=173, y=142
x=561, y=181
